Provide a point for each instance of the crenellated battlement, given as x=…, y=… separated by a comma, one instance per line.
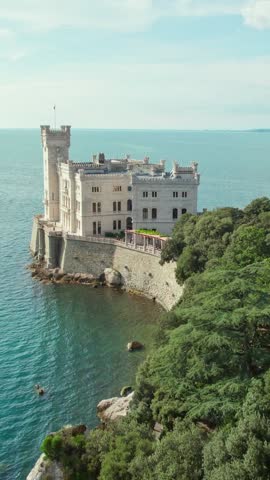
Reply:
x=57, y=137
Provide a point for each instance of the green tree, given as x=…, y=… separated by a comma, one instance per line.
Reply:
x=178, y=455
x=256, y=207
x=244, y=450
x=249, y=245
x=204, y=369
x=190, y=261
x=134, y=441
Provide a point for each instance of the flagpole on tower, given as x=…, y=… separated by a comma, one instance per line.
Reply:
x=54, y=111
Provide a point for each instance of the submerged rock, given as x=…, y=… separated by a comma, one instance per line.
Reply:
x=113, y=278
x=114, y=408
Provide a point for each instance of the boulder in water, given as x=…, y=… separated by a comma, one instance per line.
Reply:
x=113, y=278
x=134, y=345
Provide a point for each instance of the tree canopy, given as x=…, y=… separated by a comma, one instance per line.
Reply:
x=208, y=379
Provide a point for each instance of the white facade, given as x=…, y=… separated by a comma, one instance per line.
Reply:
x=102, y=196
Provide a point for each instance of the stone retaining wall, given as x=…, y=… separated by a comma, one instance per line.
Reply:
x=141, y=271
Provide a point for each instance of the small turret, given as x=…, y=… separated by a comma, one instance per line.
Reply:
x=56, y=145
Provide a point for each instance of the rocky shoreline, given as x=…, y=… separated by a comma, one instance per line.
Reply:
x=110, y=277
x=55, y=275
x=44, y=469
x=108, y=410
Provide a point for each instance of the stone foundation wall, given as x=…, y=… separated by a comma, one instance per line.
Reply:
x=141, y=271
x=86, y=257
x=34, y=244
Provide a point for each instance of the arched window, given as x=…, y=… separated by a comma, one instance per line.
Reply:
x=129, y=224
x=175, y=213
x=184, y=210
x=129, y=205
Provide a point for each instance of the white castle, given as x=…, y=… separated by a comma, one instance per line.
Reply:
x=110, y=195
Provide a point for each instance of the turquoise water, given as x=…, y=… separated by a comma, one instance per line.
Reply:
x=72, y=339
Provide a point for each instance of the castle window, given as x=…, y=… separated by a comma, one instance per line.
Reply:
x=114, y=225
x=175, y=194
x=154, y=213
x=119, y=206
x=96, y=189
x=145, y=194
x=145, y=213
x=94, y=207
x=114, y=206
x=99, y=207
x=154, y=194
x=175, y=214
x=184, y=210
x=119, y=224
x=117, y=188
x=99, y=228
x=184, y=194
x=94, y=228
x=129, y=205
x=129, y=188
x=52, y=195
x=129, y=223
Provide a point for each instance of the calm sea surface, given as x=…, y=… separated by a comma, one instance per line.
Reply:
x=72, y=339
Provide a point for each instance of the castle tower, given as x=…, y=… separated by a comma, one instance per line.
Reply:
x=55, y=145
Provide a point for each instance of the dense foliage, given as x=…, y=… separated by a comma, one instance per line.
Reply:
x=150, y=232
x=208, y=380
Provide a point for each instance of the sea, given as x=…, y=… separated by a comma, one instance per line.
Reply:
x=72, y=339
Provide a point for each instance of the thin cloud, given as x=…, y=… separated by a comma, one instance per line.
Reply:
x=257, y=14
x=124, y=15
x=231, y=94
x=5, y=33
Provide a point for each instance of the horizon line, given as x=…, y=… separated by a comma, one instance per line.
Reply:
x=258, y=129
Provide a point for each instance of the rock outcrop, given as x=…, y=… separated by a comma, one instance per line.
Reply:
x=55, y=275
x=45, y=469
x=75, y=430
x=114, y=408
x=113, y=278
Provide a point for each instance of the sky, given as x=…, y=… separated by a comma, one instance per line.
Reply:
x=144, y=64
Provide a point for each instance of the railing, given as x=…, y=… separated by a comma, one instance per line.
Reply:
x=112, y=241
x=56, y=230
